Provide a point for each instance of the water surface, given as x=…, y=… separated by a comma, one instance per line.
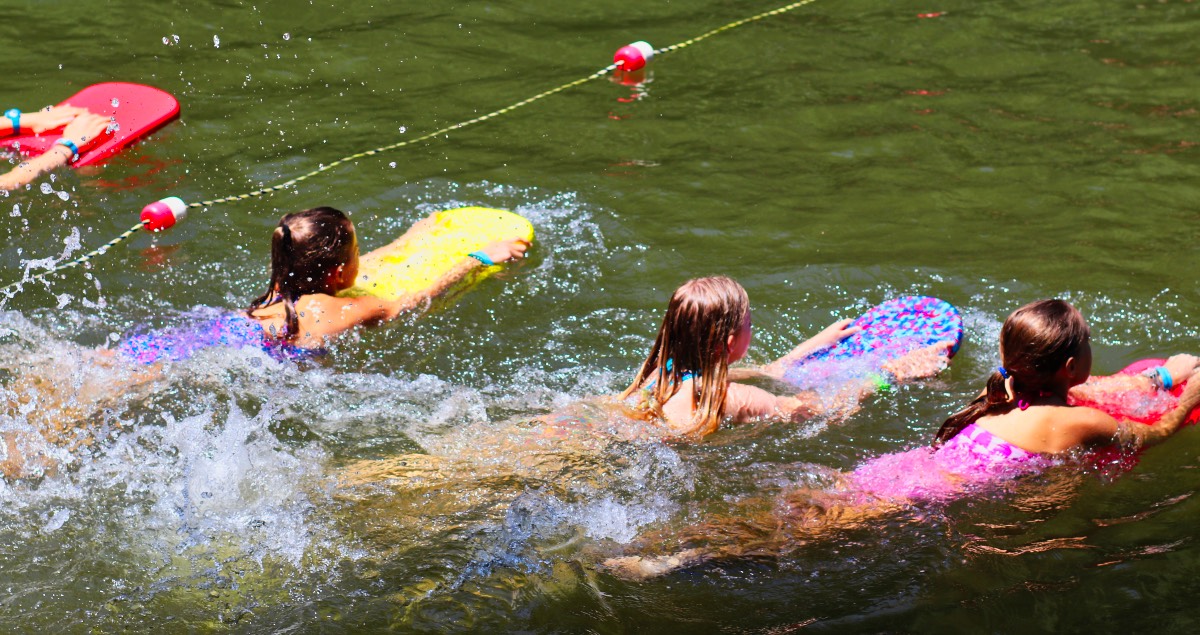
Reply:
x=829, y=159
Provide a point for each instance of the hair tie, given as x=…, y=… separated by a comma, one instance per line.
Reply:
x=1003, y=373
x=1022, y=404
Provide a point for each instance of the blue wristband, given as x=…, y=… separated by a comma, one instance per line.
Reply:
x=1165, y=376
x=70, y=145
x=14, y=116
x=482, y=257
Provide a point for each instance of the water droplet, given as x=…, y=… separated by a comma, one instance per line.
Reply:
x=47, y=188
x=216, y=42
x=116, y=102
x=56, y=521
x=287, y=36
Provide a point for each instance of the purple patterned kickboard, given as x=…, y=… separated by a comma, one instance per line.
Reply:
x=889, y=331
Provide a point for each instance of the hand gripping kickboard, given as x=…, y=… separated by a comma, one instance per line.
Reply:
x=889, y=331
x=138, y=109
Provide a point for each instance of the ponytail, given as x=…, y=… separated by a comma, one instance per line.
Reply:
x=997, y=398
x=291, y=321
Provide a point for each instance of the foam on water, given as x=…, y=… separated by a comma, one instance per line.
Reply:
x=226, y=473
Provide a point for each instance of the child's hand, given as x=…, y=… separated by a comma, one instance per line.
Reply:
x=833, y=334
x=1181, y=367
x=50, y=118
x=921, y=363
x=86, y=130
x=505, y=250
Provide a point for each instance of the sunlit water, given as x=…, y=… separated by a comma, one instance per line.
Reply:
x=455, y=471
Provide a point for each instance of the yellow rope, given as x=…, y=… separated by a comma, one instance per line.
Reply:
x=99, y=251
x=458, y=126
x=496, y=113
x=400, y=144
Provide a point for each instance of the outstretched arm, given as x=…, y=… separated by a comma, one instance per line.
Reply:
x=832, y=334
x=1170, y=422
x=497, y=251
x=1099, y=390
x=84, y=131
x=331, y=315
x=1095, y=426
x=748, y=403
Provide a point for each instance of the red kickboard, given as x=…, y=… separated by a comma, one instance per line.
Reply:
x=1138, y=406
x=139, y=110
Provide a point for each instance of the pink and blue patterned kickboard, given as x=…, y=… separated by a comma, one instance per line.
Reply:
x=889, y=331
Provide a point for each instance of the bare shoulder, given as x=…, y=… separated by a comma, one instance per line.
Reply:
x=1084, y=425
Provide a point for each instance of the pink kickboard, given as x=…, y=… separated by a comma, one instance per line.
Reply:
x=139, y=110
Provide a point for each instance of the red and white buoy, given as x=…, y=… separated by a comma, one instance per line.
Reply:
x=163, y=214
x=632, y=57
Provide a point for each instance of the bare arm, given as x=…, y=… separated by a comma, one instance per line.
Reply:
x=26, y=171
x=744, y=404
x=323, y=316
x=831, y=335
x=1095, y=426
x=1101, y=389
x=85, y=130
x=498, y=251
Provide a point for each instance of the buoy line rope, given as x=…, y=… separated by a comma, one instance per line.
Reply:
x=400, y=144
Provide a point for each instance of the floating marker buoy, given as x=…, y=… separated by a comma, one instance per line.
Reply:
x=163, y=214
x=633, y=56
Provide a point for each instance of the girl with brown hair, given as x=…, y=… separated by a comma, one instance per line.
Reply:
x=314, y=255
x=1046, y=353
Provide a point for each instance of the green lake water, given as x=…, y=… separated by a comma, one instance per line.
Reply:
x=829, y=159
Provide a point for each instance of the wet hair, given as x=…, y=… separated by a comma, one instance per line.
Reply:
x=306, y=248
x=702, y=316
x=1035, y=342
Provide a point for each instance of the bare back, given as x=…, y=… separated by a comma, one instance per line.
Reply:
x=322, y=316
x=1051, y=429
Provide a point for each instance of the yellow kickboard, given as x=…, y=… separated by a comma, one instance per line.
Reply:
x=414, y=262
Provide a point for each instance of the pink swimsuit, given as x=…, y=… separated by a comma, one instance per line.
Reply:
x=971, y=458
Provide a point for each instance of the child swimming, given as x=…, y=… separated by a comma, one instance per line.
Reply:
x=314, y=255
x=82, y=130
x=1021, y=424
x=685, y=381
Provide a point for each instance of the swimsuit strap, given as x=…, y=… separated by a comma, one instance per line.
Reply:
x=992, y=445
x=686, y=376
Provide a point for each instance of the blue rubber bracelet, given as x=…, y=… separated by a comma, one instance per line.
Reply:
x=482, y=257
x=70, y=145
x=14, y=116
x=1165, y=376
